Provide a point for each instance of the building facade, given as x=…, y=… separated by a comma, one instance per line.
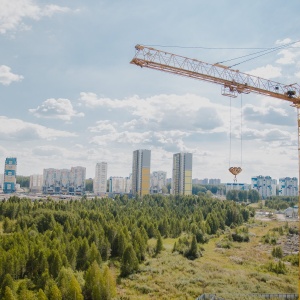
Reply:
x=128, y=184
x=141, y=172
x=158, y=181
x=77, y=180
x=288, y=186
x=36, y=183
x=64, y=181
x=264, y=185
x=100, y=180
x=182, y=174
x=237, y=186
x=10, y=175
x=116, y=185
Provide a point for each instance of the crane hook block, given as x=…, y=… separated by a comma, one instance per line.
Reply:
x=235, y=170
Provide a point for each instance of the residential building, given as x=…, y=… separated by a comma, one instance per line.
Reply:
x=77, y=181
x=64, y=181
x=116, y=185
x=49, y=180
x=100, y=180
x=158, y=181
x=237, y=186
x=128, y=184
x=141, y=172
x=36, y=183
x=10, y=175
x=214, y=181
x=264, y=185
x=182, y=174
x=288, y=186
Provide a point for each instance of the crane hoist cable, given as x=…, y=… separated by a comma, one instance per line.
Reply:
x=235, y=170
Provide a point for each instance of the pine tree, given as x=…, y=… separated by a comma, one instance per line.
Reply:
x=54, y=292
x=94, y=254
x=159, y=244
x=93, y=282
x=7, y=282
x=8, y=294
x=130, y=263
x=55, y=263
x=68, y=285
x=109, y=285
x=193, y=252
x=41, y=295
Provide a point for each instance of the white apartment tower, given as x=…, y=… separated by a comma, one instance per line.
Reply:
x=158, y=181
x=182, y=174
x=36, y=183
x=116, y=185
x=100, y=180
x=77, y=180
x=288, y=186
x=265, y=186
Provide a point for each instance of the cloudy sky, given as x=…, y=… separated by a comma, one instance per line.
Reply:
x=70, y=97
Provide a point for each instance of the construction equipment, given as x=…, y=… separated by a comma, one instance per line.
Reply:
x=233, y=82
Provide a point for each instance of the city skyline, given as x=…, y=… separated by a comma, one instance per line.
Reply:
x=204, y=180
x=71, y=97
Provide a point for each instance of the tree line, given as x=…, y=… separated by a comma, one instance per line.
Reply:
x=78, y=248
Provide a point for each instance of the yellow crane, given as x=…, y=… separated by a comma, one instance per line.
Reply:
x=233, y=82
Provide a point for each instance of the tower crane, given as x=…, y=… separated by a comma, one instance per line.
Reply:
x=233, y=82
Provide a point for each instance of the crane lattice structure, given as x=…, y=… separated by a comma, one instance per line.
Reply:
x=233, y=82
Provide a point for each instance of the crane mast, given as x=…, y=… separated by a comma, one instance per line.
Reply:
x=233, y=82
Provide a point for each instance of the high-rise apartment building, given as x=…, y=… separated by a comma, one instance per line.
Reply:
x=158, y=181
x=64, y=181
x=237, y=186
x=36, y=183
x=264, y=185
x=141, y=172
x=182, y=174
x=116, y=185
x=77, y=181
x=10, y=175
x=288, y=186
x=100, y=180
x=128, y=184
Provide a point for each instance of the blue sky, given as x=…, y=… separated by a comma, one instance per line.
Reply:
x=70, y=97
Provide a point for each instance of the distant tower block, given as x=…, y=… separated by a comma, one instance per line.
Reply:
x=10, y=175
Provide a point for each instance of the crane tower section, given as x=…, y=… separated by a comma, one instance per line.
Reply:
x=232, y=81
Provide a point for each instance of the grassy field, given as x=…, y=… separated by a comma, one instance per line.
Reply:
x=226, y=272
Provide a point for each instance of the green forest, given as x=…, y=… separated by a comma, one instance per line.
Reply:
x=80, y=249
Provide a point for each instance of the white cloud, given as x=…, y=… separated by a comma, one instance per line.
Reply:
x=124, y=137
x=56, y=109
x=13, y=12
x=16, y=129
x=268, y=115
x=283, y=42
x=266, y=72
x=268, y=135
x=7, y=77
x=289, y=55
x=104, y=126
x=170, y=112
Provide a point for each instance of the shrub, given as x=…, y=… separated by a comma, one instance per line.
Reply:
x=277, y=252
x=293, y=259
x=278, y=268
